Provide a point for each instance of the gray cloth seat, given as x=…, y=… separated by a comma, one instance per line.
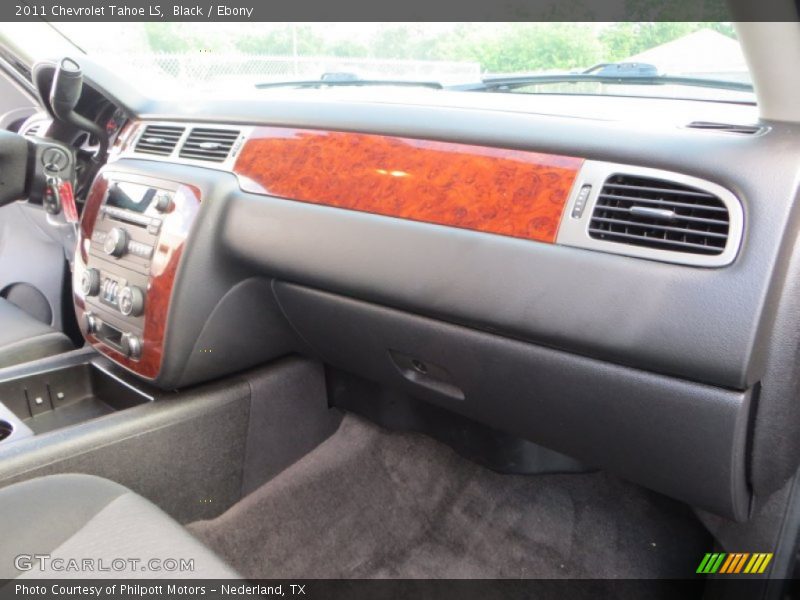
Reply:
x=24, y=338
x=77, y=517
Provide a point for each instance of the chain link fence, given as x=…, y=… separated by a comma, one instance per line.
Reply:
x=220, y=71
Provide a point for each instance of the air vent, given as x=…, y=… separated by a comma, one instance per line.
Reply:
x=726, y=127
x=659, y=214
x=159, y=139
x=209, y=144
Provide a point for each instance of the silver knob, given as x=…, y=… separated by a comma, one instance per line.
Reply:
x=163, y=201
x=131, y=301
x=116, y=243
x=131, y=345
x=90, y=282
x=92, y=323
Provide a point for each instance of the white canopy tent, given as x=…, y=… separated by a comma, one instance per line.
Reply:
x=705, y=53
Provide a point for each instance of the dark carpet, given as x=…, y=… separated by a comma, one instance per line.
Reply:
x=373, y=503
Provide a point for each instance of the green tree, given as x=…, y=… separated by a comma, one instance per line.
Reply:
x=181, y=38
x=392, y=42
x=724, y=28
x=497, y=48
x=526, y=47
x=622, y=40
x=404, y=42
x=346, y=49
x=281, y=41
x=164, y=37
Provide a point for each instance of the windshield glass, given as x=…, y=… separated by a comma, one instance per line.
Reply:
x=641, y=59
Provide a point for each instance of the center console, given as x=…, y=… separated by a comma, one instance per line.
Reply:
x=70, y=389
x=130, y=243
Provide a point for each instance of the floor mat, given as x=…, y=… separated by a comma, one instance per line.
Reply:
x=374, y=503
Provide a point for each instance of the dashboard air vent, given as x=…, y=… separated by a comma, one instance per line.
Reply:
x=660, y=214
x=209, y=144
x=159, y=139
x=726, y=127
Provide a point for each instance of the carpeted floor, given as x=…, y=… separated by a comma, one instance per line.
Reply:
x=372, y=503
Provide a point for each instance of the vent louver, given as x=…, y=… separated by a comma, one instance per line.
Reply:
x=659, y=214
x=209, y=144
x=159, y=139
x=726, y=127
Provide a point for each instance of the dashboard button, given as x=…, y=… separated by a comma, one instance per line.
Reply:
x=131, y=345
x=580, y=202
x=92, y=323
x=90, y=282
x=140, y=249
x=116, y=243
x=163, y=201
x=131, y=301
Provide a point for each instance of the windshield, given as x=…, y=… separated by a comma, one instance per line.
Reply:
x=641, y=59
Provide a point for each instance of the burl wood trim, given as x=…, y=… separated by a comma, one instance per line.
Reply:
x=494, y=190
x=124, y=138
x=163, y=268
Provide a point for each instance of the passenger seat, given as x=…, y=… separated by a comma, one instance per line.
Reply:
x=74, y=517
x=23, y=338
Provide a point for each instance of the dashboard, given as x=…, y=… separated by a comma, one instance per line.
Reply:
x=514, y=196
x=609, y=287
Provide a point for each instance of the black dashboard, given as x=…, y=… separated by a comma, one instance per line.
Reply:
x=676, y=373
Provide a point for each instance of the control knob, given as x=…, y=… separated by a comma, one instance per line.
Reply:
x=163, y=201
x=131, y=301
x=131, y=345
x=92, y=323
x=116, y=243
x=90, y=282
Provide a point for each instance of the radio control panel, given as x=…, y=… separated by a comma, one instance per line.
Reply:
x=126, y=265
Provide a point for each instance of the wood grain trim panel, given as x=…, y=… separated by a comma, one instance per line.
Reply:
x=124, y=138
x=506, y=192
x=163, y=268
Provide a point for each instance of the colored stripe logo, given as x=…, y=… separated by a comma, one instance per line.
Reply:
x=735, y=563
